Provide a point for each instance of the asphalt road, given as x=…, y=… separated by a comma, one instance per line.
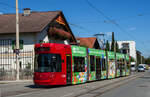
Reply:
x=119, y=87
x=139, y=87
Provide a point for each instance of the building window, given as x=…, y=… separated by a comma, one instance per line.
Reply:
x=20, y=44
x=79, y=64
x=125, y=45
x=125, y=48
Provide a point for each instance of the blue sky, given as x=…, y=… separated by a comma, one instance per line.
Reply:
x=131, y=15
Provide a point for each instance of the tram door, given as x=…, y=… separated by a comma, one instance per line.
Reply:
x=98, y=68
x=68, y=65
x=121, y=67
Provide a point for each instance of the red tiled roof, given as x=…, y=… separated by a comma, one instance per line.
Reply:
x=87, y=42
x=35, y=22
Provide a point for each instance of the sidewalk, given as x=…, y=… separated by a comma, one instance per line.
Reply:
x=15, y=81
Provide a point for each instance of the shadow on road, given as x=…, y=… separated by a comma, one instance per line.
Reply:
x=53, y=86
x=46, y=87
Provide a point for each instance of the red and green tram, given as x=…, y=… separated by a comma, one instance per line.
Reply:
x=97, y=64
x=53, y=64
x=120, y=66
x=111, y=65
x=123, y=67
x=127, y=65
x=79, y=65
x=60, y=64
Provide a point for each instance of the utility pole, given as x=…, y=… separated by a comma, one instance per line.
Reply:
x=17, y=41
x=116, y=65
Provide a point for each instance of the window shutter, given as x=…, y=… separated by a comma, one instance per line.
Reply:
x=21, y=44
x=13, y=44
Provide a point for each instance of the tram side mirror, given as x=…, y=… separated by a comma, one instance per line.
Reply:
x=62, y=61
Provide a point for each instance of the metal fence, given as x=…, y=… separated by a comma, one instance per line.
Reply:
x=8, y=62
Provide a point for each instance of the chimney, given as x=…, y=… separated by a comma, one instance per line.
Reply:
x=27, y=11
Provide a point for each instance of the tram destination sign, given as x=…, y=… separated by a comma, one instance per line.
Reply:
x=41, y=49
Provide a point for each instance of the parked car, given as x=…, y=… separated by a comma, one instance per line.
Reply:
x=141, y=68
x=144, y=65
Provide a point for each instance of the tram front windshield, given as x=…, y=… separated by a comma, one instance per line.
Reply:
x=47, y=63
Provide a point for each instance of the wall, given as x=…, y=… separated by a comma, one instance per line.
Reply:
x=132, y=47
x=7, y=57
x=28, y=39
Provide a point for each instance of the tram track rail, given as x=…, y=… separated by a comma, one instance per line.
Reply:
x=94, y=91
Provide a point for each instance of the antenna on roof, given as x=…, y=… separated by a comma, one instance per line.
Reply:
x=101, y=39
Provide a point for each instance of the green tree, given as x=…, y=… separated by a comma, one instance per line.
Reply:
x=112, y=42
x=117, y=47
x=107, y=46
x=147, y=60
x=143, y=59
x=138, y=59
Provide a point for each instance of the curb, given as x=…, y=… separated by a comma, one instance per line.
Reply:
x=15, y=81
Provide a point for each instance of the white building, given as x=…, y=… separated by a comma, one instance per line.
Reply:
x=128, y=47
x=35, y=27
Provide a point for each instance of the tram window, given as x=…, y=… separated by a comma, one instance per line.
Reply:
x=122, y=63
x=48, y=63
x=98, y=62
x=92, y=63
x=118, y=64
x=103, y=64
x=128, y=65
x=79, y=64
